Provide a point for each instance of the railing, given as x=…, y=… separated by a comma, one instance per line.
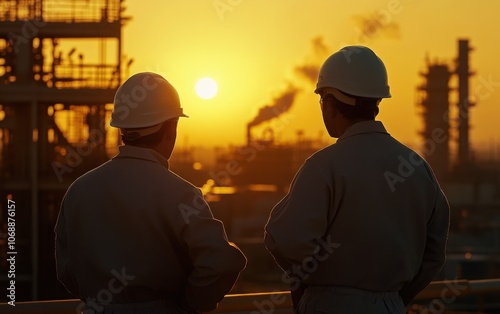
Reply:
x=278, y=302
x=61, y=10
x=86, y=76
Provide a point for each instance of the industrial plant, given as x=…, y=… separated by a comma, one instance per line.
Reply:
x=54, y=100
x=59, y=70
x=470, y=179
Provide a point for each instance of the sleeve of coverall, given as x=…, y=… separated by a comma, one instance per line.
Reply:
x=435, y=249
x=64, y=274
x=216, y=262
x=299, y=219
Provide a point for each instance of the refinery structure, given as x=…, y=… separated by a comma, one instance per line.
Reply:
x=53, y=96
x=60, y=64
x=471, y=182
x=441, y=127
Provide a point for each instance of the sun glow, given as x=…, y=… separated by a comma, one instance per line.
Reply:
x=206, y=88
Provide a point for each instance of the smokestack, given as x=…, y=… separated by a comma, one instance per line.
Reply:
x=435, y=108
x=249, y=134
x=464, y=102
x=282, y=103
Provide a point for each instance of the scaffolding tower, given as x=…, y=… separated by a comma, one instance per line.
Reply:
x=433, y=99
x=464, y=103
x=55, y=91
x=434, y=104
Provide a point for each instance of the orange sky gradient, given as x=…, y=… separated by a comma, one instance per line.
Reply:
x=252, y=48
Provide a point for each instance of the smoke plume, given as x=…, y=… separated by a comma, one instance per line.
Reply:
x=310, y=69
x=284, y=101
x=280, y=104
x=377, y=24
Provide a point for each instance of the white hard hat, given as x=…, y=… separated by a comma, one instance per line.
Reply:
x=145, y=100
x=355, y=70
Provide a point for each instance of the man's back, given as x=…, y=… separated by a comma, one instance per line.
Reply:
x=364, y=223
x=375, y=231
x=380, y=223
x=132, y=215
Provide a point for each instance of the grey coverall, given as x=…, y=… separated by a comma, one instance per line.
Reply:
x=364, y=225
x=133, y=237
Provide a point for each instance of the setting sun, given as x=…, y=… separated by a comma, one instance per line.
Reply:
x=253, y=61
x=206, y=88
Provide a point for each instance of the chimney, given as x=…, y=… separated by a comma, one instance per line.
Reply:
x=464, y=102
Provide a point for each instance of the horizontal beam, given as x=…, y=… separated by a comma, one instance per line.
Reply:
x=13, y=93
x=279, y=302
x=40, y=29
x=233, y=303
x=456, y=288
x=43, y=185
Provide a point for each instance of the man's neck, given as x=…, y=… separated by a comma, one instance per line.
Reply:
x=348, y=123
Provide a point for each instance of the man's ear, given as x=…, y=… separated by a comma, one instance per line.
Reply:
x=171, y=129
x=330, y=109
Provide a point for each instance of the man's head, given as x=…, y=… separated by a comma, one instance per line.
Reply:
x=351, y=84
x=146, y=109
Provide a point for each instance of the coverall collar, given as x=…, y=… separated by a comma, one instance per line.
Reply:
x=128, y=151
x=364, y=127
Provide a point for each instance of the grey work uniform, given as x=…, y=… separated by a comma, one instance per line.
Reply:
x=132, y=236
x=364, y=225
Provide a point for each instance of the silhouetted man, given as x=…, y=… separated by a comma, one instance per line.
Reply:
x=132, y=236
x=363, y=228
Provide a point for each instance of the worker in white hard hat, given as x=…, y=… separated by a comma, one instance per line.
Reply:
x=132, y=236
x=364, y=225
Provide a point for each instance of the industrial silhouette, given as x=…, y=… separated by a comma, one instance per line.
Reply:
x=53, y=111
x=53, y=103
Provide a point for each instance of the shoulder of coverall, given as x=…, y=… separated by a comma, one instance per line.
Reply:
x=150, y=155
x=87, y=177
x=127, y=151
x=358, y=128
x=336, y=154
x=161, y=173
x=363, y=127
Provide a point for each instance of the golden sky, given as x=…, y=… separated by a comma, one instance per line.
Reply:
x=252, y=48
